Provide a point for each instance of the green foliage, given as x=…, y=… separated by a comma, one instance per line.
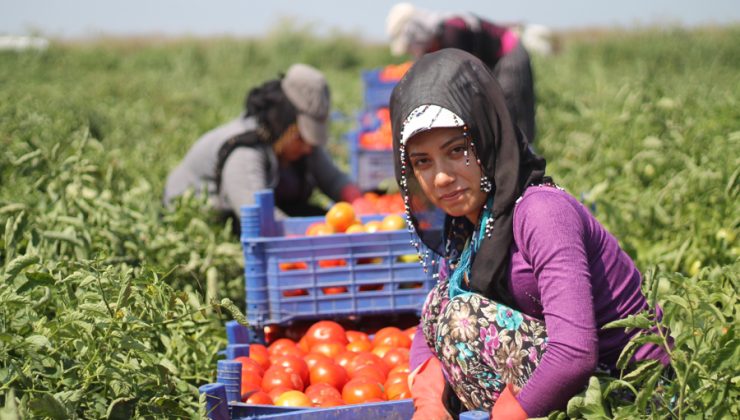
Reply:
x=110, y=305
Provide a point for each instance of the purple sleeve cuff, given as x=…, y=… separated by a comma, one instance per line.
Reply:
x=419, y=351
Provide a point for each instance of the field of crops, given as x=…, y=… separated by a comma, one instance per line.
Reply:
x=110, y=306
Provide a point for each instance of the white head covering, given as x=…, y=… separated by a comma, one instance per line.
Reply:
x=410, y=28
x=427, y=117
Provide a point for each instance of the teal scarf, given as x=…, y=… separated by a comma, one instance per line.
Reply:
x=462, y=269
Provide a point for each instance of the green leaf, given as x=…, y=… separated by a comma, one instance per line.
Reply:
x=678, y=300
x=10, y=410
x=593, y=404
x=165, y=363
x=18, y=264
x=575, y=406
x=627, y=352
x=37, y=341
x=98, y=308
x=632, y=321
x=643, y=369
x=48, y=406
x=34, y=280
x=648, y=390
x=121, y=409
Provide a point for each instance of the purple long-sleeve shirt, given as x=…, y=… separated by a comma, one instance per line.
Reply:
x=568, y=270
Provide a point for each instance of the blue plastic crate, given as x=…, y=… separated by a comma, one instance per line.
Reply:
x=377, y=91
x=377, y=277
x=400, y=409
x=369, y=167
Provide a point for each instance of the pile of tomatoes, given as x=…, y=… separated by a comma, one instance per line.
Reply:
x=379, y=137
x=343, y=217
x=329, y=366
x=394, y=72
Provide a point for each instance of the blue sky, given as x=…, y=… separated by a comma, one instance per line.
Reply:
x=85, y=18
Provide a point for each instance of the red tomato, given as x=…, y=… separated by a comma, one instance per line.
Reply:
x=277, y=348
x=290, y=351
x=331, y=402
x=403, y=367
x=303, y=344
x=259, y=397
x=329, y=348
x=360, y=390
x=393, y=339
x=293, y=364
x=368, y=371
x=277, y=376
x=325, y=331
x=344, y=358
x=411, y=332
x=396, y=356
x=293, y=399
x=398, y=391
x=359, y=346
x=259, y=353
x=396, y=378
x=251, y=384
x=320, y=392
x=250, y=366
x=277, y=391
x=381, y=333
x=380, y=351
x=368, y=359
x=312, y=358
x=353, y=336
x=330, y=373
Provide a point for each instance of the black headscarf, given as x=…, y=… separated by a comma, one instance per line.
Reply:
x=461, y=83
x=274, y=113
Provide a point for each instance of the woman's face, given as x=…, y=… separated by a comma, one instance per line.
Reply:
x=437, y=157
x=290, y=146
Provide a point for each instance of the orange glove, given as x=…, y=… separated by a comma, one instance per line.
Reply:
x=427, y=384
x=507, y=407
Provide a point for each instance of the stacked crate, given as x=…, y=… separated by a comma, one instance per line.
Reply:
x=371, y=156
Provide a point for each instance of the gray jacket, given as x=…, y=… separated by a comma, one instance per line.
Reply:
x=250, y=169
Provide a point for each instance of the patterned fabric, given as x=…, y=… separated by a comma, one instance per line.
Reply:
x=481, y=344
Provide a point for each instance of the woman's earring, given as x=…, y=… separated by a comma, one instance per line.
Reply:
x=485, y=184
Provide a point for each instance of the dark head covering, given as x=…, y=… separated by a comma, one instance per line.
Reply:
x=461, y=83
x=274, y=112
x=272, y=108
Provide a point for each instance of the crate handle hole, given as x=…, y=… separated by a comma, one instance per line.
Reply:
x=369, y=260
x=334, y=290
x=372, y=287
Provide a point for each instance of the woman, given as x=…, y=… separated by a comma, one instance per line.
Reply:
x=527, y=276
x=277, y=144
x=417, y=31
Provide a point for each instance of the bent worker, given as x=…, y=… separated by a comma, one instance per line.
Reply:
x=417, y=31
x=277, y=143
